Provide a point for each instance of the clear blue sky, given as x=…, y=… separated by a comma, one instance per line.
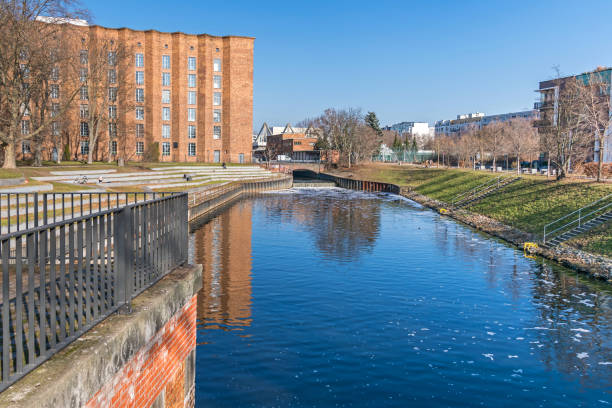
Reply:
x=405, y=60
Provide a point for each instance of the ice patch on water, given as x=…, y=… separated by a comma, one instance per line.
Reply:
x=512, y=356
x=489, y=355
x=605, y=363
x=491, y=333
x=581, y=330
x=582, y=355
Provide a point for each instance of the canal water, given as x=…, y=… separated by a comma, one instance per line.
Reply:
x=320, y=298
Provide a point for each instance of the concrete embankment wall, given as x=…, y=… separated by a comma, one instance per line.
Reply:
x=593, y=265
x=204, y=204
x=139, y=359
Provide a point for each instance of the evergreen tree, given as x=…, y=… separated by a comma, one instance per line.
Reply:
x=372, y=121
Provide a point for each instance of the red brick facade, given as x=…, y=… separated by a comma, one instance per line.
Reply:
x=161, y=370
x=217, y=71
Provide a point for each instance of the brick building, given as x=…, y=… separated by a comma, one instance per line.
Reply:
x=192, y=95
x=295, y=143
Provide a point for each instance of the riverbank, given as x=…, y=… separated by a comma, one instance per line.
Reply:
x=516, y=214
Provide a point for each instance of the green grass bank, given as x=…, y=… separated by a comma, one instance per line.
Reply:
x=527, y=204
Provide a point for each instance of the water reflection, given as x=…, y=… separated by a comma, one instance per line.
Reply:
x=342, y=224
x=359, y=300
x=224, y=251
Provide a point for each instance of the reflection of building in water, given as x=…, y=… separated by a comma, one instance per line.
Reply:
x=223, y=247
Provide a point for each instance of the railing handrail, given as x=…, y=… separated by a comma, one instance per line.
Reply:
x=474, y=190
x=578, y=210
x=83, y=269
x=579, y=220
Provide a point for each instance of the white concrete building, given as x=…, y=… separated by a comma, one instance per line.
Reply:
x=464, y=122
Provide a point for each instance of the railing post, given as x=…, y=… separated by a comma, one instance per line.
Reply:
x=123, y=256
x=579, y=217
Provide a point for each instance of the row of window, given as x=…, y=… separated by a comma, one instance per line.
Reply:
x=84, y=146
x=112, y=130
x=191, y=62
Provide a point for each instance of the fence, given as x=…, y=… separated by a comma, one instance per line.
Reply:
x=62, y=278
x=362, y=185
x=577, y=218
x=25, y=210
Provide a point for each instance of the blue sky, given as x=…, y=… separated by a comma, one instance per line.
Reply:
x=404, y=60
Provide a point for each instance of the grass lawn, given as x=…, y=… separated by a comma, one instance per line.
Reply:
x=527, y=204
x=10, y=173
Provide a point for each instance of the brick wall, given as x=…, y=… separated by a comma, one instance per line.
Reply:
x=162, y=373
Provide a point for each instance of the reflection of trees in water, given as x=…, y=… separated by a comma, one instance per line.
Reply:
x=578, y=315
x=342, y=228
x=223, y=248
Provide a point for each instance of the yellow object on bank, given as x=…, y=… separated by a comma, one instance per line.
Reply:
x=443, y=211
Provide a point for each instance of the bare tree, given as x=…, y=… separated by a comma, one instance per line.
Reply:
x=564, y=135
x=99, y=68
x=493, y=140
x=26, y=56
x=343, y=130
x=593, y=110
x=521, y=138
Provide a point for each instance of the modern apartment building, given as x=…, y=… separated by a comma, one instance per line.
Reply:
x=189, y=95
x=411, y=128
x=549, y=103
x=454, y=127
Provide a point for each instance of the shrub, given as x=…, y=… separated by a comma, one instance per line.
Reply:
x=152, y=152
x=590, y=169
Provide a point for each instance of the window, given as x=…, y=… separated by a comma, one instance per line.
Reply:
x=165, y=79
x=139, y=77
x=25, y=71
x=139, y=130
x=25, y=127
x=112, y=94
x=112, y=58
x=165, y=62
x=54, y=91
x=165, y=96
x=217, y=82
x=166, y=131
x=83, y=74
x=191, y=132
x=84, y=111
x=139, y=112
x=84, y=55
x=217, y=99
x=191, y=80
x=217, y=65
x=139, y=95
x=112, y=112
x=84, y=93
x=191, y=63
x=26, y=110
x=54, y=128
x=216, y=116
x=112, y=129
x=84, y=129
x=191, y=98
x=139, y=60
x=191, y=149
x=216, y=132
x=165, y=113
x=112, y=76
x=55, y=108
x=217, y=156
x=55, y=74
x=191, y=115
x=25, y=147
x=139, y=147
x=84, y=147
x=241, y=158
x=113, y=147
x=165, y=148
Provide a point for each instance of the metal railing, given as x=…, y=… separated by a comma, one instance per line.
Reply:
x=62, y=278
x=476, y=190
x=577, y=218
x=22, y=211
